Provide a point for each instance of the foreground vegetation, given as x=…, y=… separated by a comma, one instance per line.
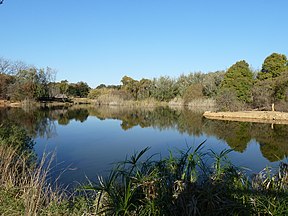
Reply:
x=237, y=88
x=188, y=182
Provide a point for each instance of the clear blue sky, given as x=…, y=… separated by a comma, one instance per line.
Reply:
x=100, y=41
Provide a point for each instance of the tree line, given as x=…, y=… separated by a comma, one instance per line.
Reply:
x=237, y=88
x=19, y=81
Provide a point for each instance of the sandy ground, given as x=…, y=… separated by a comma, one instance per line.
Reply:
x=250, y=116
x=4, y=103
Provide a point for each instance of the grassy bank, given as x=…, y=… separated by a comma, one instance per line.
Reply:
x=188, y=182
x=25, y=184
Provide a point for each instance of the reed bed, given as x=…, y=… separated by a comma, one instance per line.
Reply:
x=184, y=184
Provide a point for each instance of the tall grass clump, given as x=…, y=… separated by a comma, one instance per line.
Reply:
x=25, y=185
x=185, y=184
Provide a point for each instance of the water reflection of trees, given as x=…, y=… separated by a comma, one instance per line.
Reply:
x=41, y=122
x=236, y=134
x=36, y=122
x=273, y=141
x=72, y=114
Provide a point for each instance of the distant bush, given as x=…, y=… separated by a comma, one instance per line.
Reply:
x=193, y=92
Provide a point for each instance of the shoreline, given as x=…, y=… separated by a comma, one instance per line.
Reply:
x=129, y=103
x=271, y=117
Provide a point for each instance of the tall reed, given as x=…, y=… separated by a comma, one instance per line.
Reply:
x=184, y=184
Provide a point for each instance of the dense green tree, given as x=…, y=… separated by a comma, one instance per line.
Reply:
x=63, y=86
x=273, y=66
x=101, y=86
x=43, y=78
x=144, y=90
x=239, y=79
x=131, y=86
x=83, y=89
x=80, y=89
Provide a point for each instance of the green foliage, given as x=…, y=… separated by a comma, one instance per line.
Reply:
x=273, y=66
x=63, y=86
x=239, y=79
x=144, y=91
x=80, y=89
x=212, y=82
x=185, y=185
x=281, y=87
x=131, y=86
x=31, y=84
x=16, y=137
x=219, y=169
x=95, y=93
x=164, y=89
x=268, y=91
x=184, y=81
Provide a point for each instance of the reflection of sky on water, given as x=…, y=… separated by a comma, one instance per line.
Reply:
x=90, y=148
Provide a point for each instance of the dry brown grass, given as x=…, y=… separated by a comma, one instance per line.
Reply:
x=23, y=186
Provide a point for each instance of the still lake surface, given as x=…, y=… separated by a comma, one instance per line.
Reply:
x=88, y=140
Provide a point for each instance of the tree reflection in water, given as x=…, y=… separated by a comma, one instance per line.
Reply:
x=41, y=122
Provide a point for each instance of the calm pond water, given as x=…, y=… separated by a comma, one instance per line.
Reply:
x=88, y=140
